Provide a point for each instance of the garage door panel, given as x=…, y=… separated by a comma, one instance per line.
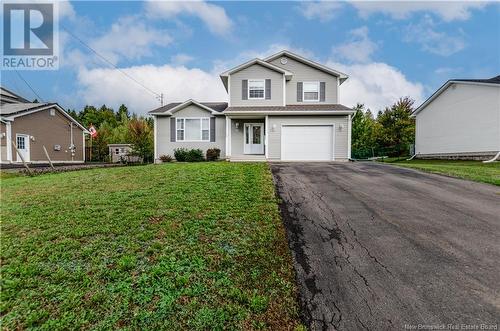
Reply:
x=307, y=143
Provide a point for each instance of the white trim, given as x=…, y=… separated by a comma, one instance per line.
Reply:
x=256, y=61
x=264, y=89
x=155, y=138
x=83, y=144
x=349, y=126
x=27, y=147
x=49, y=106
x=304, y=92
x=229, y=90
x=184, y=105
x=342, y=77
x=299, y=124
x=442, y=89
x=266, y=137
x=284, y=91
x=228, y=152
x=201, y=129
x=8, y=133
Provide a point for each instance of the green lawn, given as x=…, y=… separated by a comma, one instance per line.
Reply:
x=158, y=247
x=472, y=170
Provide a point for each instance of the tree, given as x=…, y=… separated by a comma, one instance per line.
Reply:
x=363, y=126
x=123, y=114
x=140, y=135
x=396, y=127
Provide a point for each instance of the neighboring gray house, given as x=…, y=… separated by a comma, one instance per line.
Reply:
x=284, y=107
x=460, y=120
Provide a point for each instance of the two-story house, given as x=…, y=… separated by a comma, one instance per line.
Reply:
x=281, y=108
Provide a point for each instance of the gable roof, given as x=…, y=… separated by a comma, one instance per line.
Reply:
x=342, y=77
x=10, y=111
x=225, y=74
x=494, y=81
x=7, y=96
x=213, y=107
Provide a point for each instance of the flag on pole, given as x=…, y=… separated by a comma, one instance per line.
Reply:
x=93, y=131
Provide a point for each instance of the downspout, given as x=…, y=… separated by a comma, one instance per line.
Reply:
x=495, y=158
x=72, y=145
x=8, y=133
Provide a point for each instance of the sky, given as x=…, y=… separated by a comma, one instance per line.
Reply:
x=388, y=49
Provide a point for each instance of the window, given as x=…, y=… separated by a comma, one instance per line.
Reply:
x=117, y=151
x=193, y=129
x=52, y=112
x=311, y=91
x=21, y=144
x=256, y=89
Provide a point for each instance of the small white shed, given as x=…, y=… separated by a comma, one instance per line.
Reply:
x=460, y=120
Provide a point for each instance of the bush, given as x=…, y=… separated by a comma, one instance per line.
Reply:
x=166, y=158
x=180, y=154
x=213, y=154
x=194, y=155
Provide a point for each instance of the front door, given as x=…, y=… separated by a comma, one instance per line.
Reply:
x=23, y=146
x=254, y=138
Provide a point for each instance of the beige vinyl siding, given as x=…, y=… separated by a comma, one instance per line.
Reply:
x=256, y=71
x=465, y=118
x=237, y=142
x=166, y=147
x=341, y=137
x=304, y=73
x=48, y=131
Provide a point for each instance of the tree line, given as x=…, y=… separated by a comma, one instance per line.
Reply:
x=114, y=128
x=391, y=133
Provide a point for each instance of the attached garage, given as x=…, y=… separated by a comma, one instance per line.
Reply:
x=308, y=142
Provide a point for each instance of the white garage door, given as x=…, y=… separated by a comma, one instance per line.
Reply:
x=307, y=143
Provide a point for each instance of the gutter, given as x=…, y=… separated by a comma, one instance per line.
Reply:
x=292, y=112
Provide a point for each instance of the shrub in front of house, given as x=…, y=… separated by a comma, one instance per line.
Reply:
x=166, y=158
x=195, y=155
x=180, y=154
x=213, y=154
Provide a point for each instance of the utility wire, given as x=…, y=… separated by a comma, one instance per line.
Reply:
x=112, y=64
x=31, y=88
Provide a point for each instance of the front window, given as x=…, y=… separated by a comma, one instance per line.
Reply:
x=193, y=129
x=311, y=91
x=256, y=89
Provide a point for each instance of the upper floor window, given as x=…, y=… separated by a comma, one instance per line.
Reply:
x=193, y=129
x=256, y=89
x=310, y=91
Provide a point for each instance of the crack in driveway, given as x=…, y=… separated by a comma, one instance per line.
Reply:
x=379, y=247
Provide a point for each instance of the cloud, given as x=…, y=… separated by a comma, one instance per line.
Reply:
x=323, y=10
x=181, y=59
x=130, y=38
x=377, y=85
x=213, y=16
x=359, y=49
x=177, y=83
x=447, y=10
x=440, y=43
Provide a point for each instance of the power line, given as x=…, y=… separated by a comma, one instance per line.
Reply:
x=32, y=90
x=112, y=64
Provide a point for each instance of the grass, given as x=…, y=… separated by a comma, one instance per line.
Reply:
x=158, y=247
x=472, y=170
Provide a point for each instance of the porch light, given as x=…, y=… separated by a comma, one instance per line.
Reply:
x=274, y=127
x=237, y=125
x=32, y=138
x=341, y=127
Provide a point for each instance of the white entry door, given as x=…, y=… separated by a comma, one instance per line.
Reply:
x=23, y=146
x=307, y=142
x=254, y=138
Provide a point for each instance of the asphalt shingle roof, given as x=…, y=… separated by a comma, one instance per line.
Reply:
x=312, y=107
x=493, y=80
x=217, y=106
x=14, y=108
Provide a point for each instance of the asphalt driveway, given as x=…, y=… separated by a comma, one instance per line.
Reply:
x=380, y=247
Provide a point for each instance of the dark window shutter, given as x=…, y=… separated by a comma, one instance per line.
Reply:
x=172, y=129
x=322, y=91
x=299, y=91
x=268, y=89
x=212, y=129
x=244, y=89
